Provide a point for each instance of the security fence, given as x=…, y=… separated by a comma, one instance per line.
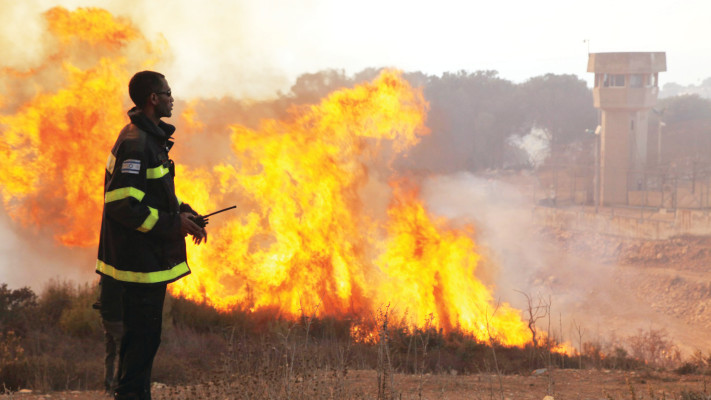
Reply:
x=671, y=187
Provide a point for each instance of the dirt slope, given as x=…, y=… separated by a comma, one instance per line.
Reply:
x=646, y=284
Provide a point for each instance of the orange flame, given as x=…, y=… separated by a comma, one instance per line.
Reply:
x=53, y=147
x=300, y=247
x=307, y=243
x=430, y=269
x=98, y=27
x=309, y=236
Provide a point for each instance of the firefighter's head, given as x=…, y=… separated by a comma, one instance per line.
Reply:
x=150, y=92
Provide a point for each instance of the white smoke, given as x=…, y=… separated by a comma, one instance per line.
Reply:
x=505, y=232
x=31, y=257
x=517, y=260
x=535, y=145
x=520, y=257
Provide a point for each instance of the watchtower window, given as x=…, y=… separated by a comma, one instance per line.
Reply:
x=636, y=80
x=614, y=80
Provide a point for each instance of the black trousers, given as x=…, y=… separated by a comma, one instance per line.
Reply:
x=113, y=331
x=142, y=322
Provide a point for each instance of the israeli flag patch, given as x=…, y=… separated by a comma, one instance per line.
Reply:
x=131, y=167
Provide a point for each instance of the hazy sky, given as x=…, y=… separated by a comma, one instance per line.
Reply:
x=257, y=47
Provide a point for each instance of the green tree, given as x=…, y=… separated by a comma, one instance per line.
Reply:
x=686, y=135
x=311, y=88
x=17, y=309
x=685, y=108
x=471, y=115
x=560, y=104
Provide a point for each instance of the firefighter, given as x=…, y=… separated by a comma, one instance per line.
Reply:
x=143, y=228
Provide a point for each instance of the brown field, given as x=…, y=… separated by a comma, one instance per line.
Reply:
x=646, y=287
x=560, y=384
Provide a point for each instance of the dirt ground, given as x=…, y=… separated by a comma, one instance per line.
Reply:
x=560, y=384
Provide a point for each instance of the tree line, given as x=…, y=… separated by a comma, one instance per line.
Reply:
x=473, y=117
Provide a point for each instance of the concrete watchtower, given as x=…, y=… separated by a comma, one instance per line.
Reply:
x=626, y=88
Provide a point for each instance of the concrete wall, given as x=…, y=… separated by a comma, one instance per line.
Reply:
x=614, y=157
x=624, y=97
x=627, y=62
x=626, y=88
x=627, y=222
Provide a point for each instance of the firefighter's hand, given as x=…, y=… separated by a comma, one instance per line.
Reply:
x=189, y=227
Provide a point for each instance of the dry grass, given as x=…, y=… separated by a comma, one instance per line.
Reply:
x=50, y=343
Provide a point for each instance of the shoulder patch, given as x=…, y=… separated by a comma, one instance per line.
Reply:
x=110, y=163
x=130, y=166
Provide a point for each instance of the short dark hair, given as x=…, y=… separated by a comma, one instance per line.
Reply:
x=142, y=85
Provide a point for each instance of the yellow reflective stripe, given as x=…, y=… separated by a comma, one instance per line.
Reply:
x=110, y=163
x=122, y=193
x=150, y=221
x=157, y=172
x=143, y=277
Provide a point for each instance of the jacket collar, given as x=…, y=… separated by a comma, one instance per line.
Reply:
x=162, y=131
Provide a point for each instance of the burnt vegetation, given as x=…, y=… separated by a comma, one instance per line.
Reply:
x=54, y=341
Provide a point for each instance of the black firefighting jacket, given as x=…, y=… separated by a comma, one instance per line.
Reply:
x=140, y=240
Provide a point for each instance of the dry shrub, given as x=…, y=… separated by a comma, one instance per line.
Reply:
x=11, y=349
x=187, y=356
x=60, y=344
x=57, y=361
x=200, y=317
x=655, y=349
x=15, y=375
x=55, y=298
x=593, y=353
x=79, y=318
x=171, y=369
x=12, y=361
x=237, y=354
x=48, y=373
x=620, y=359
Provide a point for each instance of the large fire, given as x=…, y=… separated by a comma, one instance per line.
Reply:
x=310, y=235
x=58, y=120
